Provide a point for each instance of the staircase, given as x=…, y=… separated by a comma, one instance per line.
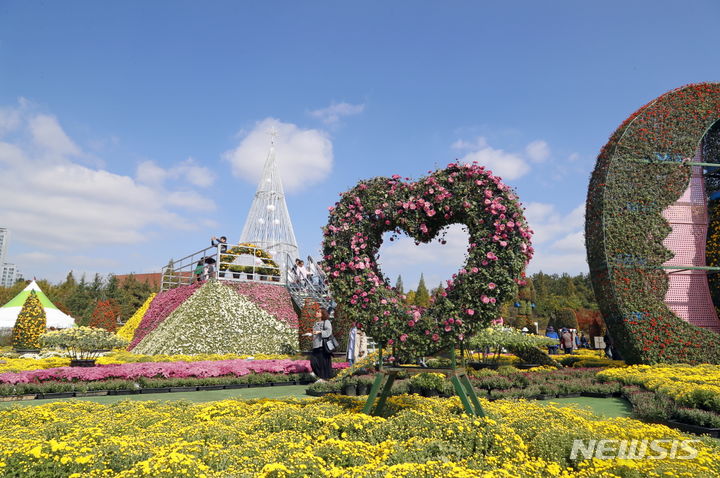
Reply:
x=301, y=291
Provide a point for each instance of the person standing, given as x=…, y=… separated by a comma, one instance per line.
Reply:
x=357, y=345
x=222, y=242
x=321, y=359
x=566, y=340
x=550, y=332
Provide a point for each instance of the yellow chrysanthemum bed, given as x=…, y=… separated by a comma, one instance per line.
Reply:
x=325, y=437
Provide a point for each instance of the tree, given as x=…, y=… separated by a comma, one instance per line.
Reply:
x=81, y=303
x=565, y=318
x=410, y=298
x=132, y=295
x=422, y=296
x=399, y=285
x=105, y=315
x=30, y=324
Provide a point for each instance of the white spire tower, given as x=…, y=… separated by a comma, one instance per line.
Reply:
x=268, y=223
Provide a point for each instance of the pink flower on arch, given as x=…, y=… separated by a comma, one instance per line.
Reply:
x=492, y=285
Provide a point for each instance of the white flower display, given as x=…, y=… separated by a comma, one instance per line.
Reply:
x=217, y=319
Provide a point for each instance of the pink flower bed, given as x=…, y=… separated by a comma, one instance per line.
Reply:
x=131, y=371
x=162, y=305
x=274, y=299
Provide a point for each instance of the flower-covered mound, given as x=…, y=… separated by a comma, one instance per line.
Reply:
x=325, y=437
x=274, y=299
x=216, y=319
x=237, y=368
x=162, y=306
x=127, y=331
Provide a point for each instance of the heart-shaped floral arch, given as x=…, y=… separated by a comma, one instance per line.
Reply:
x=498, y=252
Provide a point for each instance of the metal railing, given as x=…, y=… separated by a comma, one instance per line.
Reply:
x=224, y=262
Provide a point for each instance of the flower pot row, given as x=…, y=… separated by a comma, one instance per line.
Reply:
x=145, y=390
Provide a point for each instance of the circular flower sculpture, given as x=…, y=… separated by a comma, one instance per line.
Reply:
x=268, y=267
x=639, y=173
x=465, y=194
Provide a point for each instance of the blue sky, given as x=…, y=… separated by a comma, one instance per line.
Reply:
x=132, y=131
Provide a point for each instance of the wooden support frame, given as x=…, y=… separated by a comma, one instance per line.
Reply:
x=459, y=379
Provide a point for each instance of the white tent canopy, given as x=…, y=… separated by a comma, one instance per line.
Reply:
x=55, y=317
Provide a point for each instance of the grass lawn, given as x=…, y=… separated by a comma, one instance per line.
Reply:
x=606, y=407
x=284, y=391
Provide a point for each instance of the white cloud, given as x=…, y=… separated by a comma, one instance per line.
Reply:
x=549, y=224
x=304, y=156
x=148, y=172
x=333, y=113
x=48, y=134
x=538, y=151
x=54, y=203
x=573, y=242
x=574, y=157
x=505, y=164
x=9, y=119
x=558, y=239
x=437, y=261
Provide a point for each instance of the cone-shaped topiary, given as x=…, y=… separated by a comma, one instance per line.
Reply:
x=30, y=324
x=216, y=319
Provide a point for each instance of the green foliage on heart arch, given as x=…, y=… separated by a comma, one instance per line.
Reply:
x=624, y=226
x=465, y=194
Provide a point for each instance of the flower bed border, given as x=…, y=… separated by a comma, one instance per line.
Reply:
x=197, y=388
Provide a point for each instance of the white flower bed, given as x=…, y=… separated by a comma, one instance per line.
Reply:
x=216, y=319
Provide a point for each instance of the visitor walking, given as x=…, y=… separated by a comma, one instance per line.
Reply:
x=550, y=332
x=566, y=340
x=300, y=272
x=320, y=358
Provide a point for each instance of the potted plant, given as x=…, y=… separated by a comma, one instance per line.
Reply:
x=364, y=383
x=349, y=386
x=83, y=344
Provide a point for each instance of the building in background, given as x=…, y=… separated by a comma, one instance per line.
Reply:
x=9, y=273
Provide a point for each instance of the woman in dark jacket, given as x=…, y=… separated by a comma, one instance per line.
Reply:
x=321, y=359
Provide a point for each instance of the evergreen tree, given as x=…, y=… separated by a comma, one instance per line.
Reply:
x=422, y=296
x=565, y=318
x=81, y=303
x=30, y=324
x=132, y=296
x=410, y=298
x=399, y=285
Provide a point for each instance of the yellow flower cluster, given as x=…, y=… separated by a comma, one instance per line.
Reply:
x=121, y=356
x=325, y=437
x=127, y=331
x=21, y=364
x=690, y=385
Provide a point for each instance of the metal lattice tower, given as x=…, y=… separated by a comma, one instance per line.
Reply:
x=268, y=223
